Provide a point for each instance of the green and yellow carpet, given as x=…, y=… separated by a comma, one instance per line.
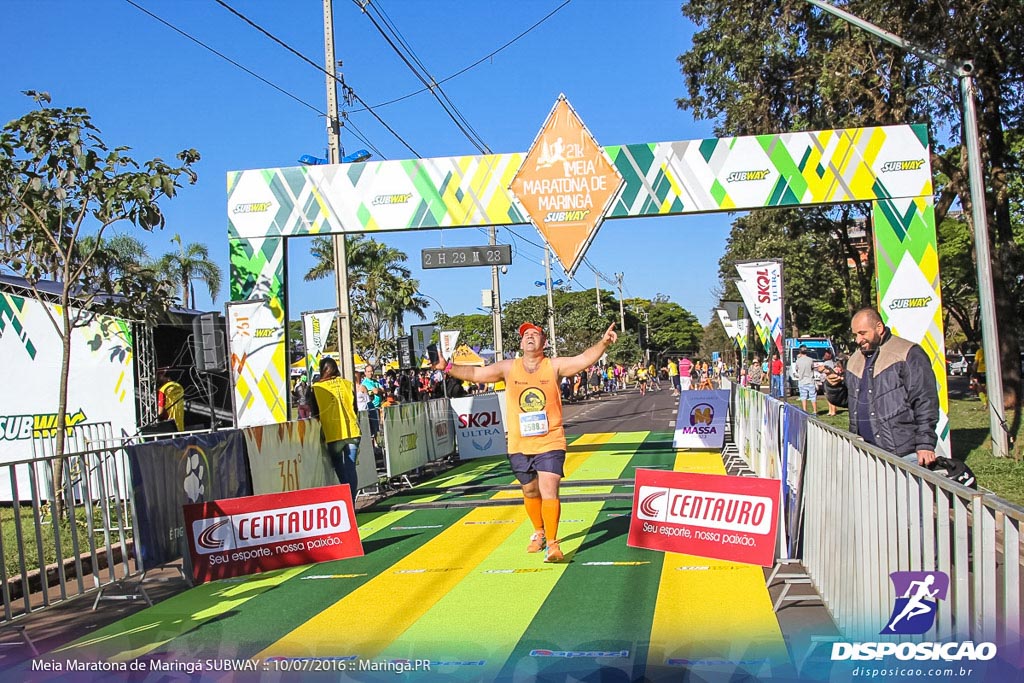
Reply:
x=446, y=579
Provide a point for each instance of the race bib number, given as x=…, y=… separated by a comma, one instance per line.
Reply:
x=533, y=424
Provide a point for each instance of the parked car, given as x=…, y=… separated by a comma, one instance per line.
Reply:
x=956, y=364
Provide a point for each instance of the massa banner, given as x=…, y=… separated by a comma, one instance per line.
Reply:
x=700, y=422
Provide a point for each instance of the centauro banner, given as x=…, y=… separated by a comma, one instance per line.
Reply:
x=707, y=515
x=102, y=386
x=760, y=285
x=241, y=536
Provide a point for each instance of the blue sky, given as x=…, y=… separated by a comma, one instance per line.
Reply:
x=153, y=89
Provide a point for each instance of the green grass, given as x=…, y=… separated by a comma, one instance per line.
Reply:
x=969, y=434
x=10, y=524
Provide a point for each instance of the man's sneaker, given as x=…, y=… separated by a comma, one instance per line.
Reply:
x=553, y=553
x=537, y=542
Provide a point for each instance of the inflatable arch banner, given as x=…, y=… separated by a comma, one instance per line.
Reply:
x=886, y=165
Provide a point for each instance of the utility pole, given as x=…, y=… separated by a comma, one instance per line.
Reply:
x=622, y=311
x=551, y=303
x=496, y=304
x=347, y=364
x=597, y=291
x=979, y=216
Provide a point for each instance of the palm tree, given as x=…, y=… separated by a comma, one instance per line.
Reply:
x=381, y=288
x=191, y=262
x=109, y=257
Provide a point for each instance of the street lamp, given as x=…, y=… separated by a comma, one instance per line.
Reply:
x=979, y=215
x=434, y=299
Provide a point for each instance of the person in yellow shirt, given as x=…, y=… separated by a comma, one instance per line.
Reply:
x=978, y=380
x=536, y=437
x=334, y=402
x=673, y=376
x=170, y=399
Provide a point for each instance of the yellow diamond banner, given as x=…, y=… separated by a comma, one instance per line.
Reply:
x=566, y=184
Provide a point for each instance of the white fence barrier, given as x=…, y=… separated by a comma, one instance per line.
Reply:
x=90, y=550
x=867, y=513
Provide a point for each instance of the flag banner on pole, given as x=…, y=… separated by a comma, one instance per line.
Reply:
x=731, y=330
x=421, y=336
x=316, y=326
x=762, y=292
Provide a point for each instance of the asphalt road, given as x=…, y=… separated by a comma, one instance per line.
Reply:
x=625, y=411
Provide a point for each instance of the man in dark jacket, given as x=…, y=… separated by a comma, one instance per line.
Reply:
x=890, y=389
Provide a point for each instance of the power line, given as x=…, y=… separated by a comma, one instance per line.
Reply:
x=424, y=77
x=481, y=60
x=319, y=68
x=225, y=58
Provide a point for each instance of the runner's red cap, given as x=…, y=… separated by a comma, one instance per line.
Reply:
x=528, y=326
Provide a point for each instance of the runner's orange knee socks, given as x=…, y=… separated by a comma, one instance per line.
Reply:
x=551, y=509
x=533, y=511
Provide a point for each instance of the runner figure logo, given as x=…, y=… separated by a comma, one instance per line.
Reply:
x=917, y=598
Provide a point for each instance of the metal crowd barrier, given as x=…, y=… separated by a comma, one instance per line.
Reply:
x=867, y=513
x=92, y=543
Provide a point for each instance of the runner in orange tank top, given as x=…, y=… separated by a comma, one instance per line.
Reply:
x=536, y=438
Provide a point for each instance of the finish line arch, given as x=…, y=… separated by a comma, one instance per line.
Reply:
x=886, y=165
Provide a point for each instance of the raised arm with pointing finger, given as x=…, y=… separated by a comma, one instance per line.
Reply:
x=536, y=437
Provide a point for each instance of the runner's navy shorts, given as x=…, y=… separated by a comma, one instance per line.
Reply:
x=525, y=467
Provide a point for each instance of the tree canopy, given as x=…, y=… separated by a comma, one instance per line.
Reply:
x=61, y=189
x=769, y=66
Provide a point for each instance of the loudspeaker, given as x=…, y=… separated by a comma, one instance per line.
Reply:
x=405, y=357
x=208, y=335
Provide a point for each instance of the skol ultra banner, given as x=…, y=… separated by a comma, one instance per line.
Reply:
x=316, y=327
x=707, y=515
x=102, y=388
x=170, y=473
x=761, y=287
x=700, y=422
x=738, y=315
x=287, y=457
x=258, y=372
x=479, y=428
x=241, y=536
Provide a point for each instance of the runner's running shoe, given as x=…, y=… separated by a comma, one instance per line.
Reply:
x=537, y=542
x=553, y=553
